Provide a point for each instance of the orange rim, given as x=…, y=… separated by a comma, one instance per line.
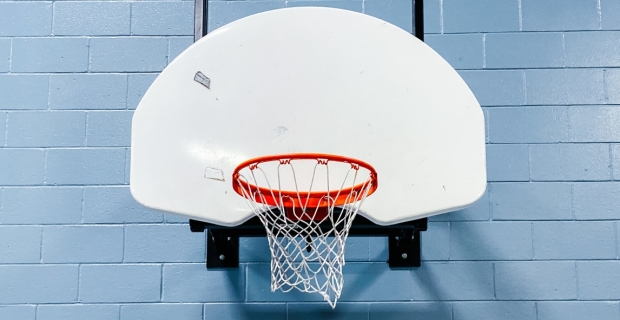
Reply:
x=315, y=199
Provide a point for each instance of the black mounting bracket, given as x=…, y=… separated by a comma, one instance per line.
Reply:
x=403, y=240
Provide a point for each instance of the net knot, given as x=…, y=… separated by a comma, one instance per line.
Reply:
x=322, y=161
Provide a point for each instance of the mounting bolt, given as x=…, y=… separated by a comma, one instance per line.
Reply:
x=228, y=238
x=404, y=255
x=222, y=257
x=397, y=237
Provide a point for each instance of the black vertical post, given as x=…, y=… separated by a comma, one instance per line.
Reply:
x=418, y=19
x=205, y=17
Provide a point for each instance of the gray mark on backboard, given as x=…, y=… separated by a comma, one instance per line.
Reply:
x=280, y=130
x=202, y=79
x=214, y=174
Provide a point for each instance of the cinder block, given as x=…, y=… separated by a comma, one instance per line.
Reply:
x=496, y=87
x=490, y=241
x=162, y=311
x=612, y=86
x=356, y=249
x=410, y=310
x=128, y=54
x=528, y=125
x=194, y=283
x=480, y=16
x=46, y=129
x=78, y=312
x=88, y=91
x=256, y=249
x=524, y=50
x=170, y=217
x=531, y=201
x=344, y=311
x=115, y=205
x=176, y=45
x=41, y=205
x=25, y=18
x=224, y=12
x=596, y=200
x=386, y=284
x=574, y=240
x=615, y=160
x=120, y=283
x=5, y=54
x=432, y=16
x=38, y=284
x=163, y=243
x=569, y=162
x=54, y=54
x=576, y=310
x=591, y=49
x=127, y=164
x=462, y=51
x=378, y=249
x=105, y=18
x=508, y=162
x=249, y=311
x=560, y=15
x=109, y=129
x=23, y=91
x=396, y=12
x=535, y=280
x=488, y=310
x=435, y=241
x=66, y=244
x=598, y=280
x=594, y=124
x=435, y=281
x=21, y=167
x=20, y=244
x=138, y=84
x=3, y=117
x=565, y=86
x=85, y=166
x=18, y=312
x=610, y=11
x=479, y=210
x=162, y=18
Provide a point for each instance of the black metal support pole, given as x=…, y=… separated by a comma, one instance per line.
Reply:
x=205, y=17
x=201, y=18
x=418, y=19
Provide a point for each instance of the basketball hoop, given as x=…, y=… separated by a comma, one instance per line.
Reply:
x=307, y=212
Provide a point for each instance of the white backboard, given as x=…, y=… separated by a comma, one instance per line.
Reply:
x=309, y=80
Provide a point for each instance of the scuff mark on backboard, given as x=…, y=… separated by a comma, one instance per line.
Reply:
x=214, y=174
x=202, y=79
x=280, y=130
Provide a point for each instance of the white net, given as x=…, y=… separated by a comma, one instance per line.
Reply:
x=307, y=230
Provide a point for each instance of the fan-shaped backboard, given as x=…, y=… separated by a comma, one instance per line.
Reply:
x=308, y=80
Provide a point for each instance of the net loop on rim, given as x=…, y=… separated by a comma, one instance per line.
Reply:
x=306, y=219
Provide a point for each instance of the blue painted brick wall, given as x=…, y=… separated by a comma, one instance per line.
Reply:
x=542, y=243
